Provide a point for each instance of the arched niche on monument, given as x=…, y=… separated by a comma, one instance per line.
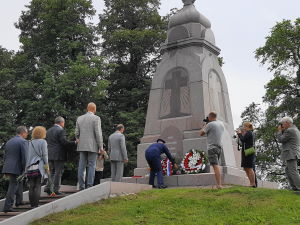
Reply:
x=178, y=33
x=175, y=100
x=216, y=96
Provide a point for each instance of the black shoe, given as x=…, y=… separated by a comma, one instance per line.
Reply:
x=153, y=186
x=58, y=193
x=9, y=210
x=19, y=204
x=162, y=187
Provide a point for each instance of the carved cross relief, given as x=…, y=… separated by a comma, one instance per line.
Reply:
x=176, y=95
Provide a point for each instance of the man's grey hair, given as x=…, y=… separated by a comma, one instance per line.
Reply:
x=286, y=119
x=59, y=120
x=21, y=130
x=120, y=127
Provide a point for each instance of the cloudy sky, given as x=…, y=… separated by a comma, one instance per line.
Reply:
x=240, y=26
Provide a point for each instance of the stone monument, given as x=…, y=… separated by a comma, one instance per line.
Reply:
x=187, y=85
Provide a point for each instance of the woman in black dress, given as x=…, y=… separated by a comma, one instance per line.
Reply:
x=248, y=162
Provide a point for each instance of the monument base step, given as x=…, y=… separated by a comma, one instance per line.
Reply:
x=230, y=176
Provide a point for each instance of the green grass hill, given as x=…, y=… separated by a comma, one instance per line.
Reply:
x=188, y=206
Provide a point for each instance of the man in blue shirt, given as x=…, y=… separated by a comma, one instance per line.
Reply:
x=152, y=155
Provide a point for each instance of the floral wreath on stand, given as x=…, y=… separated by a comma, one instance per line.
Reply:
x=167, y=167
x=194, y=161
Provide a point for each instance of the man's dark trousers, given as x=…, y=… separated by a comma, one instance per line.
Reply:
x=156, y=169
x=57, y=169
x=14, y=188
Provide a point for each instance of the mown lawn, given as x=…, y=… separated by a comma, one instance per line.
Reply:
x=236, y=205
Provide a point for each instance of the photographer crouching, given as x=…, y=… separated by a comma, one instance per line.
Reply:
x=245, y=135
x=289, y=136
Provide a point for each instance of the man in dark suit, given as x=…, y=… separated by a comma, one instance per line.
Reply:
x=14, y=165
x=153, y=158
x=57, y=143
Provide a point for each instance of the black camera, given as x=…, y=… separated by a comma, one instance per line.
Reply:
x=206, y=120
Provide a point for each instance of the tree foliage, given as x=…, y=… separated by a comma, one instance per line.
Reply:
x=282, y=48
x=56, y=72
x=7, y=109
x=59, y=71
x=132, y=32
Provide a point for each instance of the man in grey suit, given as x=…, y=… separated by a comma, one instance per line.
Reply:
x=118, y=153
x=89, y=138
x=57, y=144
x=289, y=136
x=14, y=165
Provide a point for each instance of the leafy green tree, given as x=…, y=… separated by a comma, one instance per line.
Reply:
x=58, y=68
x=7, y=93
x=132, y=32
x=281, y=50
x=7, y=110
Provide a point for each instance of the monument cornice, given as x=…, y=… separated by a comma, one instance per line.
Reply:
x=191, y=42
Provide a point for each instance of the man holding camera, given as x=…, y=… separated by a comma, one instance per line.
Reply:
x=214, y=130
x=289, y=136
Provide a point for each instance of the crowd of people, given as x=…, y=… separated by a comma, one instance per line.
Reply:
x=44, y=155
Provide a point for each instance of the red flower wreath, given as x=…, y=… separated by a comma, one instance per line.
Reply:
x=194, y=161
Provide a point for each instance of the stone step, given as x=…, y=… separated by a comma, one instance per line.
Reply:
x=3, y=218
x=53, y=197
x=42, y=201
x=9, y=214
x=68, y=192
x=23, y=209
x=26, y=207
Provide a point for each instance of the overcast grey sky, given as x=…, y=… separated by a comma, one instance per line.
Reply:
x=240, y=26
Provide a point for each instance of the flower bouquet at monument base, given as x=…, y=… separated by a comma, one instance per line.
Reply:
x=194, y=161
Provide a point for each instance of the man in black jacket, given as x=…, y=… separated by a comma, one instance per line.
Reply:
x=14, y=165
x=57, y=143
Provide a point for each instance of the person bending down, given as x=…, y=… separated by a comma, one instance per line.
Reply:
x=152, y=155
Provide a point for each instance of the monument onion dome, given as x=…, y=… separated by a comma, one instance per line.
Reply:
x=188, y=14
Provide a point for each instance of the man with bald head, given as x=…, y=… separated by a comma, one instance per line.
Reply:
x=90, y=142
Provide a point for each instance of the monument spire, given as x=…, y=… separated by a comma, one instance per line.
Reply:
x=188, y=2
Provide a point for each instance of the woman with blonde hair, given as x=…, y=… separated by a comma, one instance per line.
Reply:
x=248, y=160
x=37, y=164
